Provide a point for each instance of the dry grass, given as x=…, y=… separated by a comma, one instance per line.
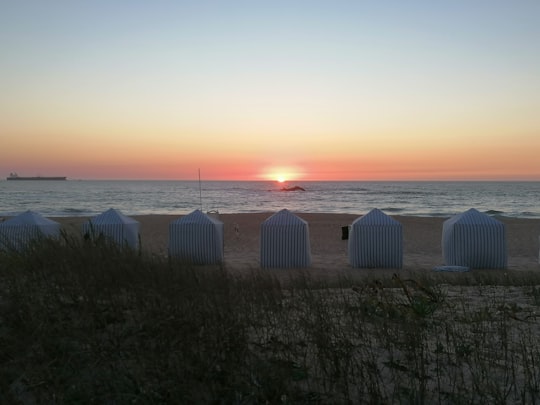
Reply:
x=89, y=322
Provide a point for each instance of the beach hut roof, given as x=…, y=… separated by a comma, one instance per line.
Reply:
x=376, y=240
x=197, y=237
x=285, y=241
x=284, y=217
x=197, y=217
x=474, y=239
x=472, y=216
x=29, y=218
x=115, y=227
x=376, y=217
x=18, y=231
x=112, y=216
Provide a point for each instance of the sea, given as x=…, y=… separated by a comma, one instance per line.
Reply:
x=138, y=197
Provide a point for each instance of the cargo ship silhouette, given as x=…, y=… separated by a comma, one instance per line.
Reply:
x=15, y=176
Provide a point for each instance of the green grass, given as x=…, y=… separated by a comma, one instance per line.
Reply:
x=84, y=321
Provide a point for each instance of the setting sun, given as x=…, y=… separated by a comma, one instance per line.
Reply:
x=282, y=174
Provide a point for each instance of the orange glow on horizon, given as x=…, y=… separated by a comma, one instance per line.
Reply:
x=296, y=99
x=283, y=174
x=315, y=161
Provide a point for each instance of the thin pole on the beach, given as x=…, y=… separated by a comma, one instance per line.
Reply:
x=200, y=189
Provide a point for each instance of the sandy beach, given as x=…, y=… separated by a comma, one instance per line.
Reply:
x=452, y=343
x=422, y=240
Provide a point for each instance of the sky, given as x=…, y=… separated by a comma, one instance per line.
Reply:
x=261, y=90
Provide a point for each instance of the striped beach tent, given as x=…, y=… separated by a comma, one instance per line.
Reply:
x=114, y=226
x=474, y=239
x=376, y=241
x=285, y=241
x=197, y=238
x=17, y=232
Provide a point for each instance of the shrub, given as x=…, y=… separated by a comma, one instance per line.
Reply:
x=90, y=322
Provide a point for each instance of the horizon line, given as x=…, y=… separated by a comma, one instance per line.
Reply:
x=307, y=181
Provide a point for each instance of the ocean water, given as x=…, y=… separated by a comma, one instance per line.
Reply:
x=92, y=197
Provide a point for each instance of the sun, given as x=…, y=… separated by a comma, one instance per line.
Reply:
x=281, y=174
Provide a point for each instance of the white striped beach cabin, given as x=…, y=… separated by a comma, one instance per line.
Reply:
x=376, y=241
x=115, y=227
x=197, y=238
x=285, y=241
x=475, y=240
x=17, y=232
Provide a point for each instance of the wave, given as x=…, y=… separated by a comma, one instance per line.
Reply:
x=73, y=210
x=435, y=214
x=529, y=214
x=392, y=209
x=494, y=212
x=408, y=192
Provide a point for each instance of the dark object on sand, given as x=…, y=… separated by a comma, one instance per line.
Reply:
x=344, y=232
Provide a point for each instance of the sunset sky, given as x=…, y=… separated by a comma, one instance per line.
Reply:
x=248, y=90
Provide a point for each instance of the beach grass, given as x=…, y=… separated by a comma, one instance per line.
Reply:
x=86, y=321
